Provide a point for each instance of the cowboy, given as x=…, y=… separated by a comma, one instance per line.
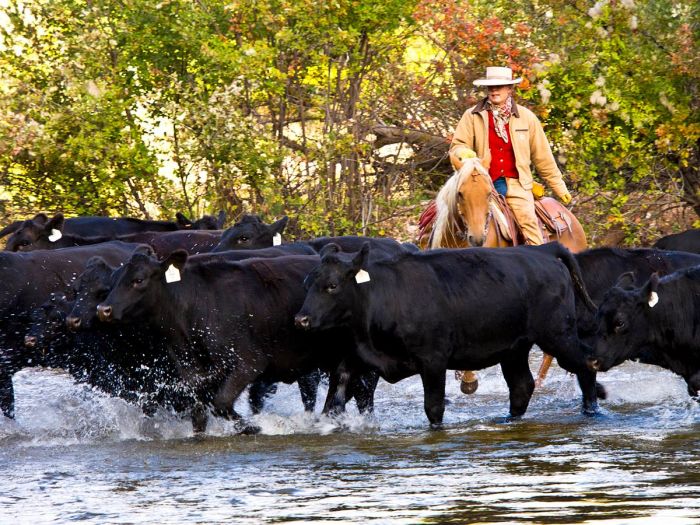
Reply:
x=508, y=138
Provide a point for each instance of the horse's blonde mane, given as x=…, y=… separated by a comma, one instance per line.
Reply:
x=447, y=213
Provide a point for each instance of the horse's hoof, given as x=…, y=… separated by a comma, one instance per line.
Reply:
x=600, y=391
x=469, y=387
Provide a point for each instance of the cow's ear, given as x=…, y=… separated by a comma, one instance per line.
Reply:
x=278, y=226
x=40, y=218
x=650, y=291
x=359, y=261
x=144, y=249
x=11, y=228
x=56, y=223
x=178, y=258
x=626, y=280
x=329, y=249
x=221, y=220
x=96, y=262
x=182, y=221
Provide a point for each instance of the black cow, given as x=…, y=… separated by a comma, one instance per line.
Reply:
x=657, y=323
x=424, y=313
x=41, y=232
x=687, y=241
x=601, y=268
x=226, y=323
x=27, y=280
x=251, y=233
x=93, y=286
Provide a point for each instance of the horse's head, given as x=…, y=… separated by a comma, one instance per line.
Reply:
x=463, y=207
x=473, y=201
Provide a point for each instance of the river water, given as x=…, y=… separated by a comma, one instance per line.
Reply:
x=74, y=455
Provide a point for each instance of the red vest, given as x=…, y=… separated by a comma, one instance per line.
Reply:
x=502, y=155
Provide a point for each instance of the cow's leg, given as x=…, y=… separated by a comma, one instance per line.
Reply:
x=7, y=391
x=338, y=386
x=587, y=382
x=570, y=353
x=694, y=385
x=308, y=388
x=259, y=390
x=362, y=389
x=434, y=395
x=516, y=372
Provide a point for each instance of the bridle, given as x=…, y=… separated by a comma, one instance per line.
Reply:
x=463, y=230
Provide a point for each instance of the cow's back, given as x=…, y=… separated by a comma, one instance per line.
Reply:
x=687, y=241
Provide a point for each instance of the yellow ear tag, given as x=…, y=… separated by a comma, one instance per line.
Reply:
x=55, y=235
x=276, y=239
x=172, y=274
x=653, y=299
x=361, y=277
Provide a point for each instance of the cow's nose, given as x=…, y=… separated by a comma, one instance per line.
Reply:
x=29, y=341
x=104, y=312
x=594, y=363
x=302, y=321
x=73, y=323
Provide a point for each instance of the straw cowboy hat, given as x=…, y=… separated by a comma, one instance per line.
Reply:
x=498, y=76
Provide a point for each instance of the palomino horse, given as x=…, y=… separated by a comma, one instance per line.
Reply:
x=470, y=212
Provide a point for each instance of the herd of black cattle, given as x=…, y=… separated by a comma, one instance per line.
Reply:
x=185, y=315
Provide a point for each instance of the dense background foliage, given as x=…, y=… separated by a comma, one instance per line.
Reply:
x=339, y=113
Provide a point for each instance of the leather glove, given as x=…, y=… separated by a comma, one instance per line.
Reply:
x=459, y=155
x=566, y=198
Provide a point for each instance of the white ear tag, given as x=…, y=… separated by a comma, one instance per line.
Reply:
x=276, y=239
x=55, y=235
x=361, y=277
x=172, y=274
x=653, y=299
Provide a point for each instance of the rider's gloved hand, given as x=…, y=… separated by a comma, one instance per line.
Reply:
x=565, y=198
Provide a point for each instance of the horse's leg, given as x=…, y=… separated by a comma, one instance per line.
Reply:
x=544, y=368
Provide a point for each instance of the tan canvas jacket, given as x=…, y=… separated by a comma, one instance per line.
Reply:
x=529, y=144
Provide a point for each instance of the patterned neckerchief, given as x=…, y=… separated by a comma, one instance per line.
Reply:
x=501, y=115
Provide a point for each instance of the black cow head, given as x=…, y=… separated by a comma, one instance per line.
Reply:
x=623, y=323
x=207, y=222
x=90, y=288
x=36, y=233
x=48, y=323
x=138, y=286
x=334, y=296
x=250, y=234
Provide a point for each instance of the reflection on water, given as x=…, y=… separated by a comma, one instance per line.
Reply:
x=75, y=455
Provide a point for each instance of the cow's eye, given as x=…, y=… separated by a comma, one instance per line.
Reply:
x=331, y=287
x=24, y=243
x=136, y=282
x=619, y=324
x=242, y=239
